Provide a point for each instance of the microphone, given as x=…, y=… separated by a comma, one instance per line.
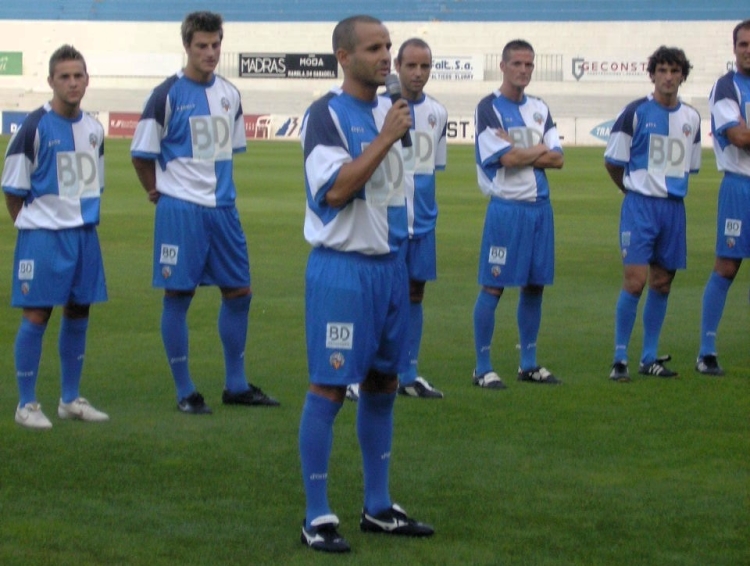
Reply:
x=393, y=88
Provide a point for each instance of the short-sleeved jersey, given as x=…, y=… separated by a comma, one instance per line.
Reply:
x=528, y=123
x=336, y=129
x=192, y=130
x=427, y=155
x=57, y=165
x=729, y=101
x=658, y=147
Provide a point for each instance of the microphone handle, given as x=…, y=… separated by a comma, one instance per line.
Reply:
x=406, y=138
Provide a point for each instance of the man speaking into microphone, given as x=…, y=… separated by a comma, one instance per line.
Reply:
x=356, y=284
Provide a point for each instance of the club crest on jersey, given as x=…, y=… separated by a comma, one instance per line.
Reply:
x=93, y=140
x=336, y=360
x=538, y=118
x=225, y=103
x=432, y=121
x=686, y=130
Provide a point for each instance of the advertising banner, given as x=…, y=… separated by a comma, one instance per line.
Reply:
x=11, y=63
x=458, y=68
x=11, y=121
x=288, y=65
x=122, y=124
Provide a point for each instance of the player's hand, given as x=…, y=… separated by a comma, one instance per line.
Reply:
x=397, y=121
x=153, y=195
x=503, y=135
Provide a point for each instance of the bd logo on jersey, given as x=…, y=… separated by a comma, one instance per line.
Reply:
x=420, y=157
x=525, y=137
x=211, y=137
x=386, y=185
x=77, y=175
x=666, y=155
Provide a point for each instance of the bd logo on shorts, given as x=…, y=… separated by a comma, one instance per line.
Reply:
x=211, y=137
x=498, y=255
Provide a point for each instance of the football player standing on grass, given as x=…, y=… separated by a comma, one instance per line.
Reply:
x=516, y=141
x=356, y=283
x=53, y=178
x=182, y=151
x=428, y=154
x=730, y=112
x=654, y=146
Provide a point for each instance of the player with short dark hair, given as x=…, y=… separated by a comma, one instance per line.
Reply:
x=356, y=284
x=53, y=178
x=427, y=155
x=182, y=151
x=729, y=103
x=654, y=147
x=516, y=142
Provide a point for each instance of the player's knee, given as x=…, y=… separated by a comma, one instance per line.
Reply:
x=416, y=291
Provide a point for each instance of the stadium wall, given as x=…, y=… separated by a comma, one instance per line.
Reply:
x=598, y=66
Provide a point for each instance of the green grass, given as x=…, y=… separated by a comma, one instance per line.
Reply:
x=592, y=472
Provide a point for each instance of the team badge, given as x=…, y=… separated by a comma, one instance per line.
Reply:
x=25, y=288
x=538, y=118
x=225, y=103
x=166, y=271
x=432, y=121
x=687, y=130
x=93, y=140
x=730, y=243
x=336, y=360
x=496, y=271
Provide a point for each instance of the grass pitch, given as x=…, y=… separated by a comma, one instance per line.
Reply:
x=591, y=472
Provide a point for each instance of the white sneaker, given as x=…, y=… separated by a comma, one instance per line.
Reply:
x=352, y=392
x=81, y=410
x=31, y=416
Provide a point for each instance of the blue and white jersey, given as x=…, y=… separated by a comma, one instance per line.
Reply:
x=427, y=155
x=528, y=123
x=659, y=147
x=730, y=101
x=336, y=129
x=192, y=130
x=57, y=165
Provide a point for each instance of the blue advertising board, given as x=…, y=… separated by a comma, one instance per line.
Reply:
x=11, y=121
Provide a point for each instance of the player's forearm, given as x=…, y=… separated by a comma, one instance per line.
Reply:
x=353, y=175
x=550, y=160
x=523, y=157
x=617, y=174
x=739, y=136
x=14, y=204
x=146, y=172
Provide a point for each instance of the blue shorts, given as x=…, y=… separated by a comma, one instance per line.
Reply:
x=421, y=257
x=198, y=245
x=733, y=218
x=518, y=244
x=652, y=230
x=356, y=316
x=58, y=267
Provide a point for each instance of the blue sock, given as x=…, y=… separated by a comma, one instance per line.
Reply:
x=714, y=298
x=174, y=334
x=28, y=353
x=415, y=340
x=375, y=433
x=529, y=316
x=233, y=318
x=625, y=313
x=484, y=328
x=72, y=347
x=315, y=442
x=654, y=312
